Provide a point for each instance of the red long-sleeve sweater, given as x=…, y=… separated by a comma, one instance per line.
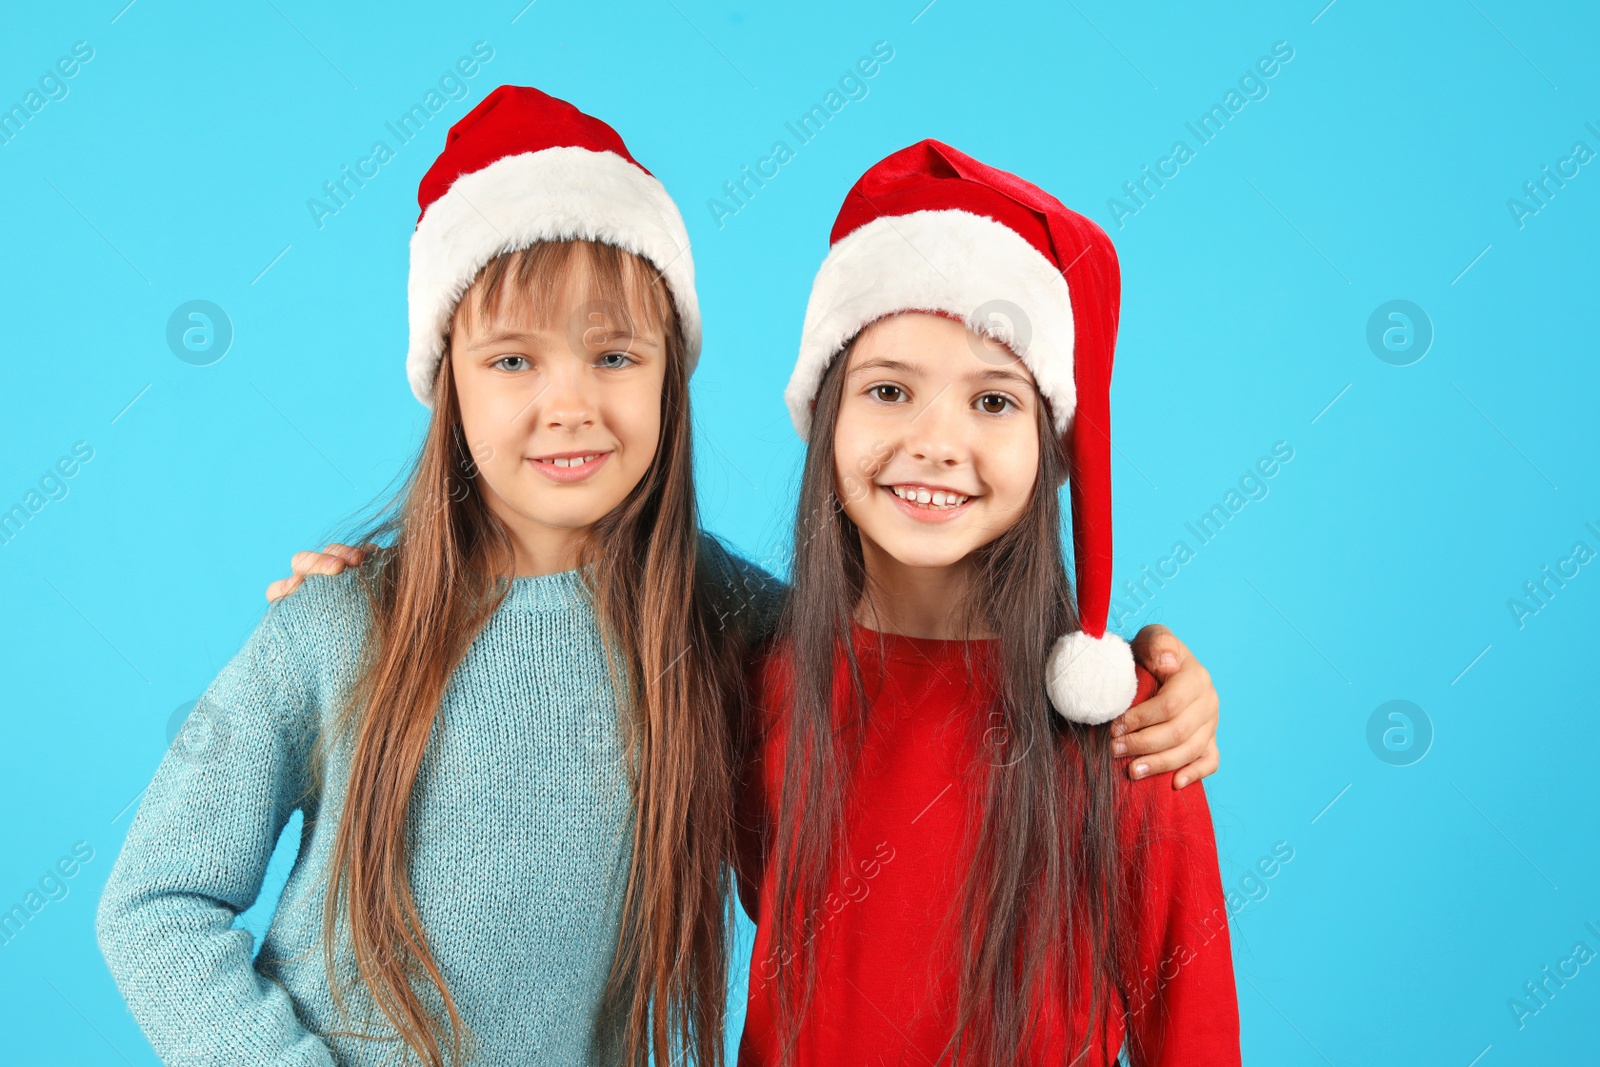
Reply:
x=888, y=957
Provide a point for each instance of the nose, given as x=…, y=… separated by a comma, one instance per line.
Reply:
x=933, y=433
x=565, y=402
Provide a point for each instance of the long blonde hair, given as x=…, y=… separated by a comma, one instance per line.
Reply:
x=431, y=590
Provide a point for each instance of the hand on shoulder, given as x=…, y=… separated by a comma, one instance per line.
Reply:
x=331, y=560
x=1173, y=734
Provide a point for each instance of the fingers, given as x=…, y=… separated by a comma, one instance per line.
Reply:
x=1176, y=693
x=282, y=588
x=1159, y=650
x=1172, y=757
x=1203, y=767
x=1176, y=711
x=352, y=556
x=1173, y=729
x=305, y=563
x=331, y=560
x=1195, y=720
x=1176, y=729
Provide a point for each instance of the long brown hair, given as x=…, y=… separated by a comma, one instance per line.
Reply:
x=439, y=576
x=1044, y=870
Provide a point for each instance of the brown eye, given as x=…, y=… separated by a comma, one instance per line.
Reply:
x=994, y=403
x=889, y=394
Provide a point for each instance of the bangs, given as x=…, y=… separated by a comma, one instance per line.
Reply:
x=613, y=288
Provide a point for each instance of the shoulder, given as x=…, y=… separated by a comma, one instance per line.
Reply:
x=740, y=589
x=1153, y=802
x=290, y=670
x=1156, y=817
x=324, y=623
x=326, y=605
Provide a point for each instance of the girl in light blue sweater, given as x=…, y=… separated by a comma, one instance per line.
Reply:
x=493, y=802
x=508, y=729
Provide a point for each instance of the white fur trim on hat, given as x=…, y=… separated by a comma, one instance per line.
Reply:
x=554, y=194
x=949, y=261
x=1091, y=679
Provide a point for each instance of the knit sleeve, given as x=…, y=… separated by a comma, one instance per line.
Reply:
x=742, y=593
x=195, y=857
x=1182, y=1008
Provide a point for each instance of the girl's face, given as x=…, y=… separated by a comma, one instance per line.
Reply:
x=936, y=448
x=562, y=415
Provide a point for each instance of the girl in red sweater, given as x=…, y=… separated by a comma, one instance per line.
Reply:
x=943, y=861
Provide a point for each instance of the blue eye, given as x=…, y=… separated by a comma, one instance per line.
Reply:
x=522, y=360
x=615, y=360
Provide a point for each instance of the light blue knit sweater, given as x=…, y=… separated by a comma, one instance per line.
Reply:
x=521, y=824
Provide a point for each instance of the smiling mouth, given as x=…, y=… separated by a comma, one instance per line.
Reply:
x=927, y=498
x=569, y=466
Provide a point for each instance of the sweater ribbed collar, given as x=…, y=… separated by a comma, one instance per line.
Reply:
x=561, y=591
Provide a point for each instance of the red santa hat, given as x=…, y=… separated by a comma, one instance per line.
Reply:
x=932, y=229
x=520, y=168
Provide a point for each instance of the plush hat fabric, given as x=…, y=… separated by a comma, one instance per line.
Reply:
x=520, y=168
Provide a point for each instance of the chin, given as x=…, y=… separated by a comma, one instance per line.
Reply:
x=568, y=513
x=930, y=552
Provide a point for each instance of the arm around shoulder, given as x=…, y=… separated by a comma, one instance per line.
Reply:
x=743, y=593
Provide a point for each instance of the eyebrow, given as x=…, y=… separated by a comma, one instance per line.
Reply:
x=608, y=336
x=1000, y=374
x=885, y=363
x=502, y=336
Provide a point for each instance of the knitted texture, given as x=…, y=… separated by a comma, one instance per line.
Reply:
x=521, y=829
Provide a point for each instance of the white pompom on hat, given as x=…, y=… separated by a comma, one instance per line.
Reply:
x=929, y=228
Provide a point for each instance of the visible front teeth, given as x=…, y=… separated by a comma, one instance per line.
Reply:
x=575, y=461
x=937, y=498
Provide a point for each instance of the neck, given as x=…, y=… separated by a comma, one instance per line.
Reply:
x=537, y=549
x=544, y=550
x=913, y=601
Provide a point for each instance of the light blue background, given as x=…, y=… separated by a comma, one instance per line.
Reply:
x=1378, y=567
